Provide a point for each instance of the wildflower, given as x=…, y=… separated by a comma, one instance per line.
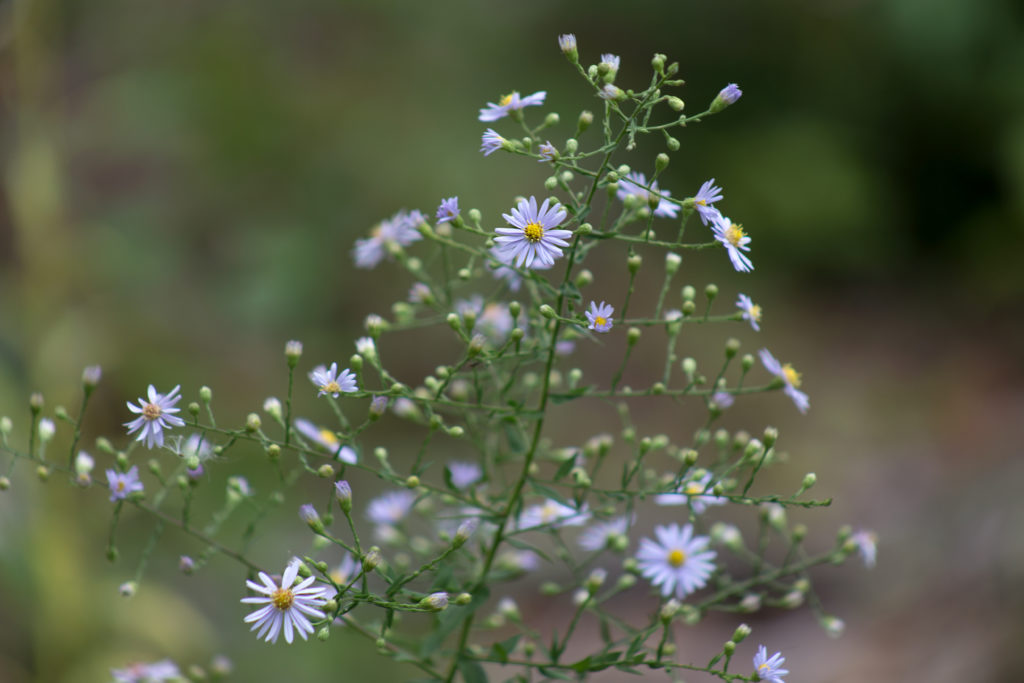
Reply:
x=122, y=485
x=552, y=513
x=343, y=492
x=272, y=407
x=866, y=542
x=692, y=492
x=547, y=152
x=309, y=515
x=726, y=96
x=504, y=271
x=535, y=236
x=635, y=185
x=239, y=486
x=155, y=416
x=448, y=210
x=496, y=321
x=157, y=672
x=365, y=346
x=435, y=601
x=789, y=376
x=722, y=399
x=196, y=445
x=610, y=92
x=679, y=562
x=751, y=311
x=390, y=508
x=564, y=347
x=46, y=429
x=398, y=230
x=464, y=474
x=420, y=293
x=285, y=607
x=673, y=314
x=327, y=439
x=328, y=381
x=345, y=571
x=491, y=142
x=706, y=196
x=508, y=608
x=466, y=529
x=601, y=535
x=599, y=317
x=519, y=560
x=84, y=465
x=128, y=589
x=732, y=236
x=509, y=103
x=91, y=376
x=769, y=669
x=567, y=44
x=611, y=62
x=186, y=564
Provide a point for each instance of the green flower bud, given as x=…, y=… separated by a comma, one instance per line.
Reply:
x=584, y=278
x=252, y=422
x=747, y=362
x=571, y=145
x=36, y=402
x=371, y=559
x=585, y=119
x=326, y=471
x=675, y=103
x=547, y=311
x=689, y=308
x=551, y=183
x=732, y=347
x=661, y=162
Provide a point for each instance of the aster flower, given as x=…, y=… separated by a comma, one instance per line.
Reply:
x=708, y=194
x=46, y=429
x=464, y=474
x=123, y=485
x=328, y=381
x=728, y=95
x=552, y=513
x=610, y=92
x=390, y=508
x=398, y=230
x=599, y=317
x=723, y=399
x=509, y=103
x=567, y=44
x=327, y=439
x=196, y=445
x=491, y=142
x=448, y=210
x=495, y=321
x=693, y=493
x=769, y=669
x=751, y=311
x=612, y=61
x=285, y=607
x=156, y=672
x=547, y=152
x=678, y=562
x=866, y=542
x=789, y=376
x=345, y=571
x=732, y=236
x=635, y=185
x=535, y=236
x=155, y=415
x=420, y=293
x=599, y=535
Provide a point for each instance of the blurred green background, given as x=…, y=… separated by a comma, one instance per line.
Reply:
x=183, y=183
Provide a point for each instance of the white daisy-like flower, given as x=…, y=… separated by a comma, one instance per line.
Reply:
x=390, y=508
x=678, y=562
x=122, y=485
x=708, y=194
x=635, y=185
x=509, y=103
x=552, y=513
x=751, y=311
x=329, y=381
x=399, y=230
x=599, y=317
x=491, y=142
x=535, y=236
x=599, y=535
x=769, y=668
x=155, y=415
x=692, y=492
x=156, y=672
x=788, y=375
x=735, y=240
x=285, y=607
x=867, y=542
x=464, y=474
x=327, y=439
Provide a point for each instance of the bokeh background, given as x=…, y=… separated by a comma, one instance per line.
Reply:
x=182, y=184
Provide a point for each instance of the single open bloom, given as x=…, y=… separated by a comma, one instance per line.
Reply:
x=535, y=237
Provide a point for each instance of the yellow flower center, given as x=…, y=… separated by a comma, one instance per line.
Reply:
x=330, y=388
x=533, y=232
x=762, y=667
x=337, y=576
x=121, y=486
x=600, y=321
x=702, y=202
x=327, y=436
x=505, y=100
x=548, y=513
x=151, y=411
x=376, y=230
x=755, y=313
x=792, y=376
x=676, y=558
x=694, y=488
x=734, y=233
x=282, y=598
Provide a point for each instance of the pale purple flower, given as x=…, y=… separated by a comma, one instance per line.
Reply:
x=567, y=43
x=751, y=311
x=635, y=184
x=547, y=152
x=399, y=230
x=157, y=672
x=708, y=194
x=678, y=563
x=286, y=607
x=123, y=485
x=535, y=237
x=552, y=513
x=464, y=474
x=345, y=571
x=599, y=317
x=329, y=381
x=610, y=92
x=327, y=439
x=611, y=61
x=509, y=103
x=788, y=375
x=769, y=669
x=735, y=240
x=692, y=492
x=723, y=399
x=730, y=93
x=495, y=321
x=866, y=542
x=448, y=210
x=598, y=535
x=504, y=271
x=155, y=415
x=420, y=293
x=390, y=508
x=491, y=142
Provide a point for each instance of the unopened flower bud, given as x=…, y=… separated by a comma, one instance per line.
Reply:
x=633, y=336
x=46, y=429
x=669, y=610
x=750, y=603
x=463, y=599
x=323, y=633
x=91, y=377
x=371, y=559
x=726, y=96
x=326, y=471
x=252, y=422
x=435, y=601
x=584, y=278
x=586, y=118
x=36, y=402
x=661, y=162
x=547, y=311
x=634, y=262
x=309, y=515
x=809, y=480
x=343, y=492
x=834, y=626
x=412, y=481
x=672, y=262
x=293, y=351
x=728, y=648
x=676, y=103
x=792, y=599
x=193, y=408
x=186, y=564
x=465, y=530
x=128, y=589
x=6, y=425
